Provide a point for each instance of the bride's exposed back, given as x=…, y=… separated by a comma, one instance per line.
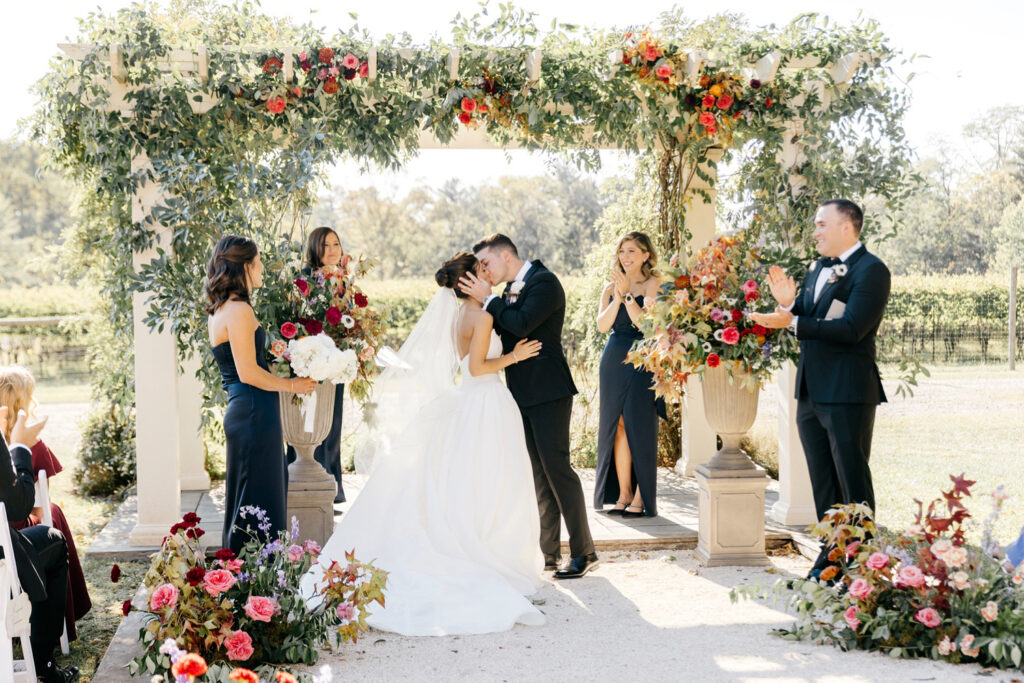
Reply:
x=449, y=509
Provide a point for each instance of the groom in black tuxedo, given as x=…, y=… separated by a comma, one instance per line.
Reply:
x=533, y=306
x=835, y=317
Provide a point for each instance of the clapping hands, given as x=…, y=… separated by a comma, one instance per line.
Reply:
x=620, y=281
x=782, y=286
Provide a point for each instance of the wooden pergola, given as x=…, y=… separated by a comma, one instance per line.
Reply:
x=168, y=395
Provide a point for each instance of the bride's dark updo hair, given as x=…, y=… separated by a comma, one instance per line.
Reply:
x=225, y=273
x=452, y=270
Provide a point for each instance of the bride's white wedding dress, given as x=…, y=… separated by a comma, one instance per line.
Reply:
x=451, y=513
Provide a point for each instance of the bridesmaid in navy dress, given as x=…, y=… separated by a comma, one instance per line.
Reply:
x=324, y=252
x=627, y=438
x=256, y=473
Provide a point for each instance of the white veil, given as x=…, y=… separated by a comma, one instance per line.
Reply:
x=422, y=368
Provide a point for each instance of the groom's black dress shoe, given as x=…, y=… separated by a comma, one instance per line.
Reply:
x=577, y=567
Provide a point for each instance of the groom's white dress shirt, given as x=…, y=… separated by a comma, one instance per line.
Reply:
x=819, y=284
x=520, y=277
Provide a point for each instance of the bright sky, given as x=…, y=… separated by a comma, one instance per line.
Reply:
x=972, y=65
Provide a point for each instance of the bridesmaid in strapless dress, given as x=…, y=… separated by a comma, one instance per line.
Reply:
x=628, y=425
x=256, y=472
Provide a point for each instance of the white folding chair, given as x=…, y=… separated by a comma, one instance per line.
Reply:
x=22, y=670
x=43, y=501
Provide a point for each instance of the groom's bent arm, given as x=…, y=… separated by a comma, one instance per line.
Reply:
x=863, y=312
x=545, y=297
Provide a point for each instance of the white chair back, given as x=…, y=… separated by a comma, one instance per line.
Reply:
x=22, y=670
x=43, y=501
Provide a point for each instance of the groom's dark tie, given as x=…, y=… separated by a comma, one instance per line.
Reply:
x=829, y=262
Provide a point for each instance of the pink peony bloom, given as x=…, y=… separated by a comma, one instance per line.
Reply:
x=850, y=615
x=164, y=596
x=990, y=612
x=911, y=576
x=877, y=561
x=218, y=581
x=860, y=589
x=346, y=611
x=945, y=646
x=965, y=646
x=239, y=646
x=350, y=62
x=295, y=553
x=928, y=616
x=260, y=608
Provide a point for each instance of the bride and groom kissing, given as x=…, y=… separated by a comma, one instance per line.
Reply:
x=467, y=477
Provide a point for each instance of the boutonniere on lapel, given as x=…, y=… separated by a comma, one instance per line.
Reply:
x=838, y=271
x=513, y=291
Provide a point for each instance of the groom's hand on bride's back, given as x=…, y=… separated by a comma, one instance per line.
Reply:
x=475, y=287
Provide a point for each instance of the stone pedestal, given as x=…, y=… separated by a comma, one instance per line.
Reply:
x=731, y=503
x=311, y=489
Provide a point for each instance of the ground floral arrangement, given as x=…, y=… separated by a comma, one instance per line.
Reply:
x=923, y=593
x=701, y=319
x=324, y=327
x=236, y=618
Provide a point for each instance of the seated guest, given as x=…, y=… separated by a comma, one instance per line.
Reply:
x=17, y=387
x=40, y=554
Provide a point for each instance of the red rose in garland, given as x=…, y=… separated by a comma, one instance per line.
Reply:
x=737, y=315
x=708, y=101
x=468, y=105
x=333, y=316
x=713, y=360
x=275, y=105
x=326, y=55
x=730, y=335
x=465, y=117
x=364, y=70
x=768, y=102
x=361, y=300
x=288, y=330
x=272, y=66
x=707, y=119
x=724, y=102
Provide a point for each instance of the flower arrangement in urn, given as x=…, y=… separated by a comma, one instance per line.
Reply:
x=326, y=330
x=701, y=319
x=247, y=610
x=925, y=592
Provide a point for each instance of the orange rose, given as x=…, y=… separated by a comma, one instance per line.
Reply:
x=243, y=676
x=331, y=86
x=829, y=572
x=190, y=664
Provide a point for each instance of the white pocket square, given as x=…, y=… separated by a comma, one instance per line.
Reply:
x=835, y=310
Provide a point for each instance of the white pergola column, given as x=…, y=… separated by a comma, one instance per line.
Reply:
x=156, y=404
x=698, y=438
x=191, y=456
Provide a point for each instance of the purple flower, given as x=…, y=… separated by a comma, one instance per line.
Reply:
x=295, y=527
x=280, y=578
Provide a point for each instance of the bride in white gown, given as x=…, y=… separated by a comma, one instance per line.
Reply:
x=449, y=509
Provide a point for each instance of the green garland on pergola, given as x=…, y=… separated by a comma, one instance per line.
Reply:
x=239, y=136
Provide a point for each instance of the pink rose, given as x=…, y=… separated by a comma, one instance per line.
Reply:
x=350, y=62
x=929, y=617
x=860, y=589
x=663, y=71
x=346, y=611
x=960, y=580
x=850, y=615
x=259, y=608
x=364, y=70
x=877, y=561
x=164, y=596
x=851, y=549
x=945, y=646
x=749, y=287
x=941, y=547
x=218, y=581
x=233, y=566
x=990, y=612
x=707, y=119
x=288, y=330
x=312, y=547
x=965, y=646
x=333, y=316
x=724, y=102
x=468, y=105
x=730, y=335
x=295, y=553
x=911, y=576
x=321, y=74
x=239, y=646
x=367, y=353
x=651, y=53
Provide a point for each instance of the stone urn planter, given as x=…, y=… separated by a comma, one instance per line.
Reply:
x=311, y=489
x=731, y=503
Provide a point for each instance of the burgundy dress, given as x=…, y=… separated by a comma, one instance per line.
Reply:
x=79, y=602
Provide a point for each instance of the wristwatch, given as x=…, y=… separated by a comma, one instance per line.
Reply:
x=628, y=298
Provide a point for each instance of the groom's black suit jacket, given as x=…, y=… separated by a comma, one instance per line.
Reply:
x=837, y=357
x=537, y=313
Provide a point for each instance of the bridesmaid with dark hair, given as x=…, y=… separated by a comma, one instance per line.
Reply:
x=324, y=253
x=256, y=472
x=628, y=429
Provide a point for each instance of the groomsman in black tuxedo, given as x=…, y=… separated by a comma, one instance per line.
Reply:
x=838, y=386
x=533, y=306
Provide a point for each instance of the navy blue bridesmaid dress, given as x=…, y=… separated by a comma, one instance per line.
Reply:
x=627, y=392
x=256, y=471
